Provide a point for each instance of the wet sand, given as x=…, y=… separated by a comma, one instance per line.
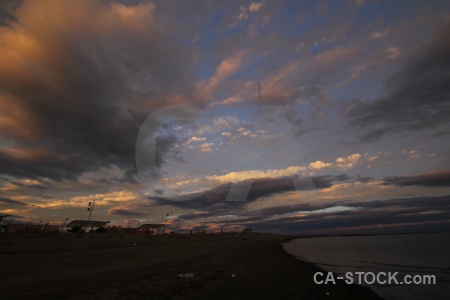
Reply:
x=100, y=266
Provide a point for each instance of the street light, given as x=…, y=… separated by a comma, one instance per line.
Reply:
x=165, y=221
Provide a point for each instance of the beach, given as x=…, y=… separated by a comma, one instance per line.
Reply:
x=96, y=266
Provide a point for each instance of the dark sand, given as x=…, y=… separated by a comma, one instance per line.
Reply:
x=99, y=266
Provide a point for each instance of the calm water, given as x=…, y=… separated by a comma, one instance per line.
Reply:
x=413, y=254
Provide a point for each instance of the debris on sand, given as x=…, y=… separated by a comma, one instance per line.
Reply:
x=186, y=275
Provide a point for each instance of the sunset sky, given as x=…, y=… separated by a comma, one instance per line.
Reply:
x=350, y=99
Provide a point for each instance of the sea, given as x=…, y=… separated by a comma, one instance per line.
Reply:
x=407, y=254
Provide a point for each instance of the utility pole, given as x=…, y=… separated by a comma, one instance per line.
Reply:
x=179, y=225
x=129, y=213
x=165, y=220
x=204, y=225
x=90, y=209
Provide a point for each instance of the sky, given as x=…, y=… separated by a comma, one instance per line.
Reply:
x=281, y=116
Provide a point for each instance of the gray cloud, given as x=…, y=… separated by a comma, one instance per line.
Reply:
x=392, y=215
x=215, y=199
x=7, y=11
x=365, y=179
x=84, y=98
x=13, y=202
x=431, y=179
x=326, y=181
x=159, y=192
x=417, y=96
x=33, y=186
x=126, y=212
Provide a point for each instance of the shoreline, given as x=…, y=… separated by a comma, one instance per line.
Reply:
x=307, y=236
x=290, y=239
x=101, y=266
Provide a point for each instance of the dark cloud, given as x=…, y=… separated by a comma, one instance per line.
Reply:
x=297, y=123
x=33, y=186
x=126, y=212
x=431, y=179
x=326, y=181
x=159, y=192
x=421, y=203
x=280, y=210
x=262, y=214
x=215, y=199
x=364, y=179
x=439, y=134
x=13, y=202
x=77, y=94
x=8, y=9
x=382, y=215
x=417, y=96
x=355, y=221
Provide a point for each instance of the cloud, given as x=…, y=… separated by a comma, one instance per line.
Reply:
x=244, y=12
x=365, y=179
x=305, y=79
x=159, y=192
x=260, y=214
x=430, y=179
x=326, y=181
x=335, y=55
x=254, y=174
x=13, y=202
x=392, y=215
x=195, y=139
x=380, y=34
x=215, y=198
x=205, y=147
x=125, y=211
x=105, y=198
x=416, y=96
x=226, y=68
x=27, y=183
x=317, y=165
x=233, y=100
x=348, y=162
x=343, y=163
x=217, y=124
x=393, y=52
x=226, y=122
x=77, y=81
x=8, y=10
x=412, y=214
x=255, y=6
